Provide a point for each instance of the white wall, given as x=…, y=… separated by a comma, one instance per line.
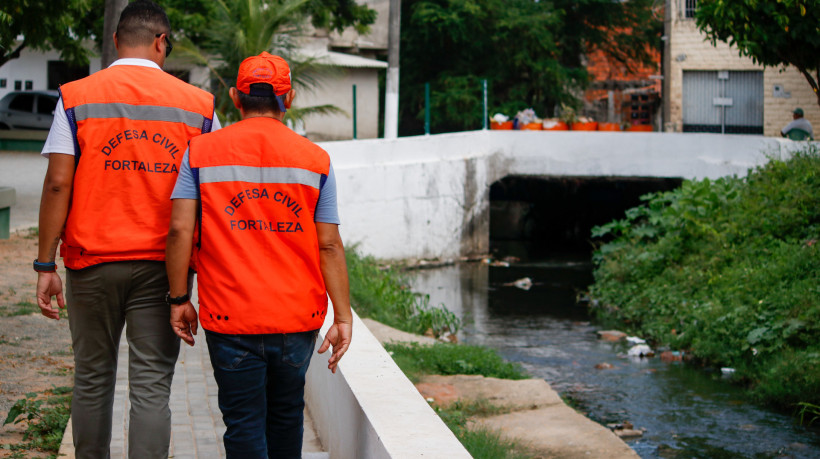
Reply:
x=32, y=66
x=337, y=89
x=369, y=409
x=428, y=196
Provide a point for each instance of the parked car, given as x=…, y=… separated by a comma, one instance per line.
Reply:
x=28, y=109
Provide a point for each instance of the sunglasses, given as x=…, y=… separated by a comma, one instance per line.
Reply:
x=168, y=45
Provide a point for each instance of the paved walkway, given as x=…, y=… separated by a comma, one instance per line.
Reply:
x=196, y=422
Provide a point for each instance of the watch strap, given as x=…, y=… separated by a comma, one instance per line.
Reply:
x=176, y=300
x=48, y=267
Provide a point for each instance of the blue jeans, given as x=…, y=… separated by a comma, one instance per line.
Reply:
x=261, y=381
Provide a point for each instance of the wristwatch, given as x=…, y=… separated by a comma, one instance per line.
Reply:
x=48, y=267
x=169, y=300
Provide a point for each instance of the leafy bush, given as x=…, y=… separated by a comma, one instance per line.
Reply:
x=383, y=295
x=727, y=269
x=452, y=359
x=46, y=419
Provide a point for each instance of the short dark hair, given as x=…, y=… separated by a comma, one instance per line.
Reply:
x=140, y=22
x=258, y=104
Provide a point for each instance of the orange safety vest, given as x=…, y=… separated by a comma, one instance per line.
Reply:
x=131, y=126
x=258, y=268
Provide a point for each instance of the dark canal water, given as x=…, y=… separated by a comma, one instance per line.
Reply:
x=687, y=412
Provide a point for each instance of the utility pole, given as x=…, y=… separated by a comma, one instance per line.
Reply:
x=391, y=97
x=111, y=17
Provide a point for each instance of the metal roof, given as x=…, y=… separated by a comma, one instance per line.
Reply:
x=343, y=60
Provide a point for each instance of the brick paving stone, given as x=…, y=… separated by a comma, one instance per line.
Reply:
x=196, y=422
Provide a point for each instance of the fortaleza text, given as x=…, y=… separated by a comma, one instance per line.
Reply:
x=126, y=165
x=257, y=193
x=129, y=135
x=261, y=225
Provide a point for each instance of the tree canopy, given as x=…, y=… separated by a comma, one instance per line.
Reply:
x=45, y=24
x=772, y=33
x=531, y=53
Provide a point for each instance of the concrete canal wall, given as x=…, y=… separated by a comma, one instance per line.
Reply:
x=428, y=196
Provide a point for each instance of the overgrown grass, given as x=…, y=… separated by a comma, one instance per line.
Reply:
x=728, y=270
x=480, y=442
x=383, y=295
x=416, y=360
x=46, y=419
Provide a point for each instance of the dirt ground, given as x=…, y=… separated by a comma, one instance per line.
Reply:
x=35, y=352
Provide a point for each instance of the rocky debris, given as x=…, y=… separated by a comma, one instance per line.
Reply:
x=558, y=431
x=604, y=366
x=626, y=430
x=671, y=356
x=514, y=394
x=635, y=340
x=611, y=335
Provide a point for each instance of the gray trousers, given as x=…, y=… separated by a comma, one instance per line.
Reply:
x=101, y=299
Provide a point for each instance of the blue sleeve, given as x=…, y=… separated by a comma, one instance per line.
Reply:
x=186, y=187
x=326, y=209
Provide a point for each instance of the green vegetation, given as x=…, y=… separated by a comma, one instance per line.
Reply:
x=46, y=419
x=382, y=295
x=728, y=270
x=480, y=442
x=451, y=359
x=44, y=27
x=22, y=308
x=808, y=413
x=537, y=51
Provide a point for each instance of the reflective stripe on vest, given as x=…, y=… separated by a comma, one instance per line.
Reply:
x=139, y=113
x=260, y=175
x=131, y=143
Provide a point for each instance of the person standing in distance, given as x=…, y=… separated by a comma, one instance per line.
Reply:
x=114, y=151
x=268, y=256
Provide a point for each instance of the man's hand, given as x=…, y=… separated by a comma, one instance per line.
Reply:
x=183, y=321
x=339, y=336
x=48, y=285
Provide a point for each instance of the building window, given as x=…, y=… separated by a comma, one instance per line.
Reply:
x=3, y=82
x=59, y=73
x=689, y=8
x=29, y=85
x=18, y=85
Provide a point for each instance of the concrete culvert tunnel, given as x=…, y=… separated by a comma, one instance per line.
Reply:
x=553, y=216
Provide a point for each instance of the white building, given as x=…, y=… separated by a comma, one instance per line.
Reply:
x=713, y=89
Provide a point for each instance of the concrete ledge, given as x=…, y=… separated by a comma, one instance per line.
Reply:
x=369, y=409
x=8, y=197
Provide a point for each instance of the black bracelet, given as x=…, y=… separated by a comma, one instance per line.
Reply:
x=49, y=267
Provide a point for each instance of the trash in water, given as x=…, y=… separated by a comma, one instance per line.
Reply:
x=640, y=350
x=525, y=283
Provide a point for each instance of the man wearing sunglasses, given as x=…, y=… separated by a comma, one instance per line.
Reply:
x=114, y=152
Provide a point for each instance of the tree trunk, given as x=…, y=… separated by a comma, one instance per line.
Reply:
x=113, y=8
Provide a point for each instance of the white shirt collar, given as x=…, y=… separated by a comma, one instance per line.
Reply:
x=135, y=61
